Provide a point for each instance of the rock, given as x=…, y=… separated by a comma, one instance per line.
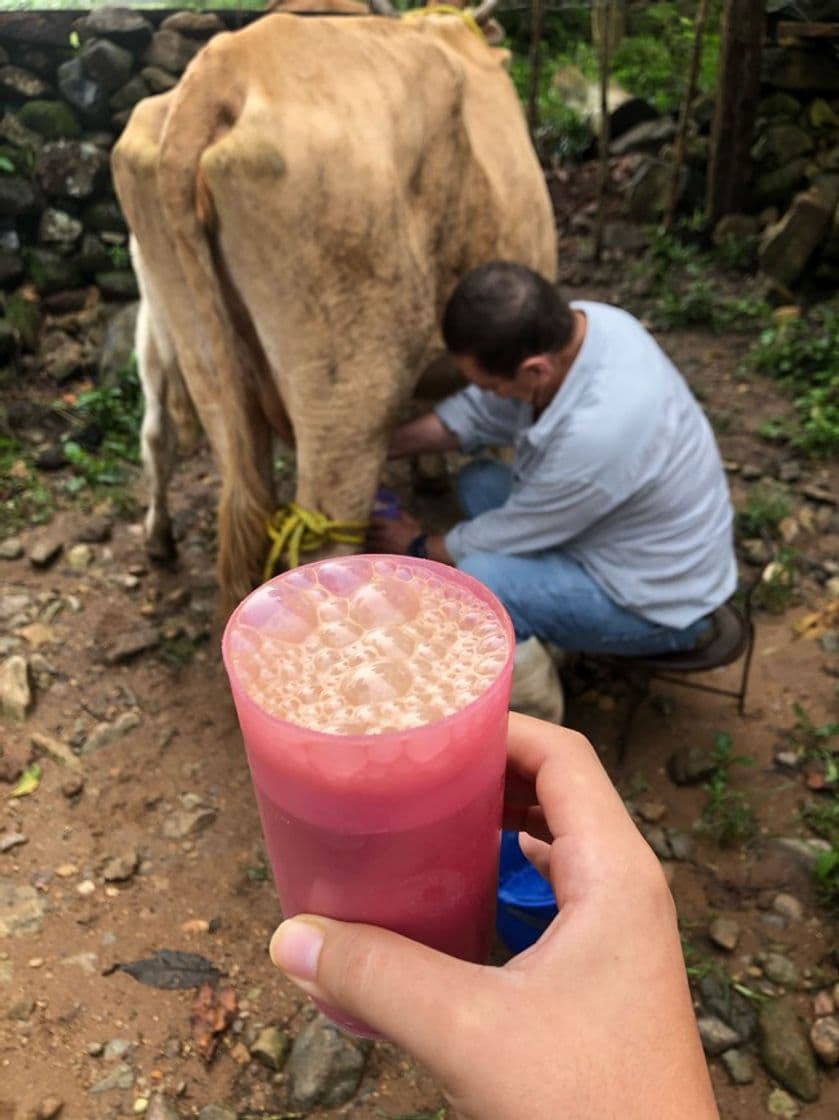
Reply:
x=782, y=1104
x=656, y=837
x=120, y=25
x=325, y=1066
x=785, y=1049
x=17, y=196
x=786, y=68
x=719, y=999
x=51, y=120
x=95, y=529
x=777, y=186
x=89, y=99
x=22, y=85
x=104, y=734
x=117, y=283
x=735, y=227
x=116, y=1048
x=689, y=765
x=59, y=228
x=55, y=749
x=739, y=1066
x=781, y=970
x=158, y=81
x=725, y=932
x=11, y=548
x=647, y=190
x=50, y=272
x=94, y=256
x=106, y=63
x=824, y=1038
x=25, y=316
x=118, y=343
x=823, y=1004
x=786, y=247
x=21, y=909
x=717, y=1036
x=170, y=51
x=271, y=1047
x=127, y=96
x=648, y=136
x=13, y=606
x=9, y=840
x=216, y=1112
x=121, y=1077
x=71, y=168
x=11, y=271
x=198, y=25
x=104, y=216
x=121, y=867
x=80, y=557
x=652, y=811
x=129, y=645
x=681, y=844
x=188, y=822
x=15, y=691
x=73, y=786
x=44, y=550
x=162, y=1107
x=49, y=1108
x=788, y=906
x=806, y=852
x=780, y=144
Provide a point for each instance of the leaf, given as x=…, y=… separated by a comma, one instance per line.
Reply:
x=212, y=1013
x=170, y=968
x=6, y=165
x=28, y=782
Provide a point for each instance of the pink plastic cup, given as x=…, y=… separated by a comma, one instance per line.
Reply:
x=399, y=829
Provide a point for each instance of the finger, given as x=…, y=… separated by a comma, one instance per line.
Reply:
x=373, y=975
x=594, y=838
x=538, y=852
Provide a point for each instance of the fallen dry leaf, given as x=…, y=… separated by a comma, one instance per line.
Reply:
x=817, y=623
x=212, y=1013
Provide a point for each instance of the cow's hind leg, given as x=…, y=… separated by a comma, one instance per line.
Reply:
x=158, y=370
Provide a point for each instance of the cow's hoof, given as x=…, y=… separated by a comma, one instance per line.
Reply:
x=161, y=547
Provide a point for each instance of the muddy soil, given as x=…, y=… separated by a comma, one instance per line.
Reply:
x=142, y=834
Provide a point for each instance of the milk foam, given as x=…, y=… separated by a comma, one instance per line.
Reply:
x=364, y=646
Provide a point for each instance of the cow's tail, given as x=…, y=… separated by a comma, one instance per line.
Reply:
x=210, y=100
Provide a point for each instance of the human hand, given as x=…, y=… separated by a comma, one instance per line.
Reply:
x=393, y=534
x=592, y=1022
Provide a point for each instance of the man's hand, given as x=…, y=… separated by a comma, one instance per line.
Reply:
x=393, y=534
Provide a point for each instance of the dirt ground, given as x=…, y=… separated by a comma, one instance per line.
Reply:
x=142, y=834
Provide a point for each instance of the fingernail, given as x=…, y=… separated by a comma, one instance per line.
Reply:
x=296, y=946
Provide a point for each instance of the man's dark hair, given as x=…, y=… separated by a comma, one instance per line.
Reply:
x=502, y=313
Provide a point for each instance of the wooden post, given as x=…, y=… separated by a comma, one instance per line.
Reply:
x=680, y=141
x=535, y=60
x=603, y=139
x=738, y=88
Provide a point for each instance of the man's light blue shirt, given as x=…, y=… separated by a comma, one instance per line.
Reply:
x=621, y=471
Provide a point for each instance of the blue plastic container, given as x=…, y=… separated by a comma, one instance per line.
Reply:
x=526, y=903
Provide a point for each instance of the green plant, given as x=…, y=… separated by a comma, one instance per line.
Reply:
x=767, y=504
x=116, y=410
x=24, y=499
x=814, y=742
x=802, y=354
x=6, y=166
x=120, y=256
x=827, y=879
x=562, y=133
x=728, y=815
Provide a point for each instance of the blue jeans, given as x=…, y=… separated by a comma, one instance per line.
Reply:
x=549, y=595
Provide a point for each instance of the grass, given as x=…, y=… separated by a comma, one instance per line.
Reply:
x=728, y=815
x=767, y=504
x=24, y=498
x=820, y=743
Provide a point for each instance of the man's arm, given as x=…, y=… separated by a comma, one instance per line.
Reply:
x=426, y=433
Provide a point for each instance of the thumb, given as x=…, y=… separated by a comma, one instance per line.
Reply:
x=411, y=994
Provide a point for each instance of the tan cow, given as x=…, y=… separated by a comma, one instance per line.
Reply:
x=302, y=204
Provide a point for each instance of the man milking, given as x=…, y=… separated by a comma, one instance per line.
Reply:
x=611, y=531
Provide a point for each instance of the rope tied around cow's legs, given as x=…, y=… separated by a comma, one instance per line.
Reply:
x=293, y=529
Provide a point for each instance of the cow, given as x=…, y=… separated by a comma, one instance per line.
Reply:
x=301, y=205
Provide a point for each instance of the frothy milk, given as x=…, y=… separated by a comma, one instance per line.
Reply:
x=364, y=646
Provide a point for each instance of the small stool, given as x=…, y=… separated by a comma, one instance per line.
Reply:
x=732, y=636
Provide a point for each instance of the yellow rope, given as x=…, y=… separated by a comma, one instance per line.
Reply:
x=445, y=10
x=293, y=530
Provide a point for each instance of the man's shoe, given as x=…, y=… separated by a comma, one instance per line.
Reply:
x=537, y=690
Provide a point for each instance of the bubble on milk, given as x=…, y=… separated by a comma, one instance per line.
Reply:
x=366, y=648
